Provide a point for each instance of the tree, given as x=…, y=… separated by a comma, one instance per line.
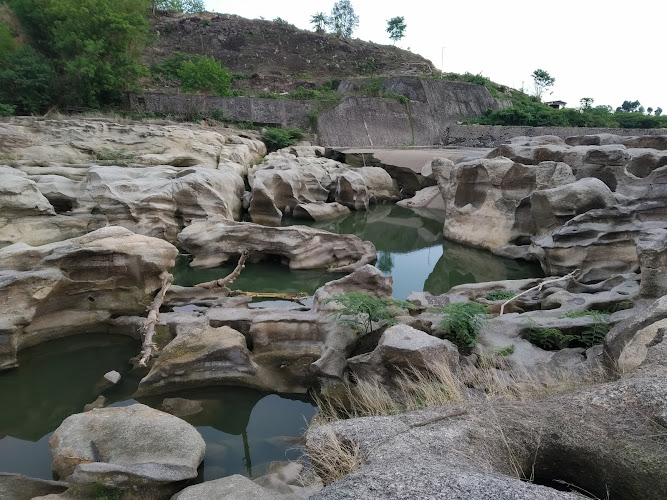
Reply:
x=396, y=28
x=187, y=6
x=658, y=111
x=319, y=21
x=649, y=110
x=586, y=103
x=95, y=46
x=7, y=45
x=205, y=74
x=629, y=107
x=542, y=81
x=343, y=20
x=27, y=82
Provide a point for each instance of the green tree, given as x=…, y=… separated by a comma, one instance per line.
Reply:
x=319, y=21
x=95, y=45
x=658, y=111
x=27, y=82
x=586, y=103
x=629, y=107
x=343, y=20
x=542, y=81
x=187, y=6
x=7, y=45
x=396, y=28
x=205, y=74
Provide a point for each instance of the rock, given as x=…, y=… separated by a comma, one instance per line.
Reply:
x=652, y=254
x=403, y=348
x=180, y=407
x=201, y=356
x=365, y=279
x=100, y=402
x=288, y=478
x=551, y=208
x=234, y=487
x=32, y=141
x=18, y=487
x=320, y=211
x=213, y=242
x=429, y=197
x=75, y=286
x=485, y=199
x=125, y=448
x=159, y=201
x=627, y=344
x=113, y=377
x=20, y=195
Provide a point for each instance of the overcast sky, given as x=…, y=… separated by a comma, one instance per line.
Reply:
x=610, y=51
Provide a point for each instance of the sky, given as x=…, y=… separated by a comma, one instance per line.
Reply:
x=609, y=51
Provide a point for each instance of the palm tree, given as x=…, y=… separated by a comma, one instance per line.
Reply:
x=319, y=20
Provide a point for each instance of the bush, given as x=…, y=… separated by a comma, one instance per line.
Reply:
x=7, y=109
x=27, y=82
x=463, y=322
x=7, y=45
x=278, y=138
x=550, y=339
x=202, y=73
x=500, y=295
x=362, y=310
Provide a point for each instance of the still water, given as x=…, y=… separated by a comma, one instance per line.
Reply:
x=244, y=430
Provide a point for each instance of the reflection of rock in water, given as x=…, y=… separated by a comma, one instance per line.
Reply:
x=391, y=228
x=384, y=262
x=460, y=264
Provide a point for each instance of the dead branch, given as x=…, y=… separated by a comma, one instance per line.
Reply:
x=148, y=327
x=221, y=283
x=537, y=287
x=294, y=297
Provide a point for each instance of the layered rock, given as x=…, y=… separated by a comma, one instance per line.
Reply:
x=132, y=448
x=76, y=285
x=284, y=181
x=213, y=242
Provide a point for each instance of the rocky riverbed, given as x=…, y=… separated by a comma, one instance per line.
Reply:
x=93, y=214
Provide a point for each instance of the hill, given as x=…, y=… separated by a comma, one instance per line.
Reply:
x=275, y=56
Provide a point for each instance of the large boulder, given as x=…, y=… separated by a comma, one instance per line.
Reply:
x=213, y=242
x=235, y=487
x=201, y=355
x=77, y=285
x=129, y=448
x=18, y=487
x=652, y=254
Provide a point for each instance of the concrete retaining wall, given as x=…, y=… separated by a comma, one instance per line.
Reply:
x=374, y=122
x=491, y=136
x=271, y=112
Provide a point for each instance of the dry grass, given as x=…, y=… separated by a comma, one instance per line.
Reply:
x=413, y=389
x=333, y=458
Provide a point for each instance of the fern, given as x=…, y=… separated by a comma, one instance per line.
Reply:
x=549, y=339
x=361, y=310
x=463, y=322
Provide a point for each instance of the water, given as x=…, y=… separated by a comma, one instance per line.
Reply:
x=243, y=429
x=410, y=248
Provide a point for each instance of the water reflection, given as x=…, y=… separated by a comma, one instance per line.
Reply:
x=244, y=429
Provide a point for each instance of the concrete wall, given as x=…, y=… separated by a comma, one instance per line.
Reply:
x=490, y=136
x=373, y=122
x=273, y=112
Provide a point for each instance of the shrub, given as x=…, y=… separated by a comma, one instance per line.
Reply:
x=7, y=109
x=202, y=73
x=217, y=114
x=7, y=45
x=500, y=295
x=549, y=339
x=27, y=82
x=364, y=312
x=278, y=138
x=463, y=322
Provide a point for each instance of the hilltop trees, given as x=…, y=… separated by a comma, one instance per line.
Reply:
x=396, y=28
x=187, y=6
x=343, y=21
x=542, y=81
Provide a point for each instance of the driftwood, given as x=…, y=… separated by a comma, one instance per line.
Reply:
x=294, y=297
x=537, y=287
x=221, y=283
x=148, y=328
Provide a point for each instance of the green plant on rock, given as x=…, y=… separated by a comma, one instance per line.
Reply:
x=500, y=295
x=278, y=138
x=594, y=334
x=364, y=312
x=550, y=339
x=462, y=323
x=7, y=109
